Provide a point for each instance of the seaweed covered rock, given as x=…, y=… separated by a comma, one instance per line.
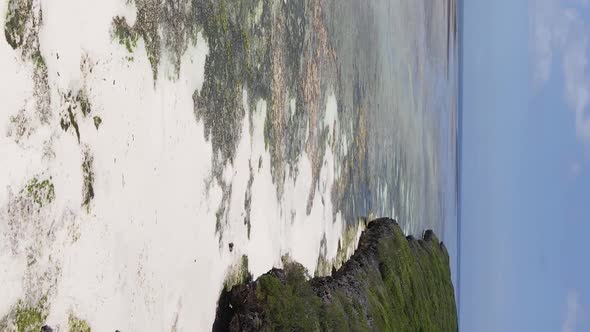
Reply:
x=391, y=283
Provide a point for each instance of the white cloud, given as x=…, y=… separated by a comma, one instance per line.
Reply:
x=572, y=314
x=549, y=31
x=558, y=33
x=577, y=84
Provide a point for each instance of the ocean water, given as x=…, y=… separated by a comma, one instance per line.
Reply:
x=125, y=204
x=401, y=58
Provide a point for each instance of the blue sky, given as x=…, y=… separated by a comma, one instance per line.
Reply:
x=525, y=166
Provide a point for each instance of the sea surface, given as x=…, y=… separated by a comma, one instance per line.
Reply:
x=401, y=57
x=156, y=152
x=404, y=66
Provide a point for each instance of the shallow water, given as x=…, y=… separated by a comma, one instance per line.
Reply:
x=400, y=57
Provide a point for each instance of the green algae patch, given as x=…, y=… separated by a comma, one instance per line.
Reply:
x=42, y=192
x=145, y=27
x=15, y=25
x=21, y=31
x=87, y=180
x=76, y=324
x=291, y=303
x=20, y=126
x=166, y=28
x=125, y=34
x=76, y=108
x=38, y=61
x=25, y=317
x=97, y=121
x=29, y=319
x=72, y=122
x=219, y=102
x=83, y=103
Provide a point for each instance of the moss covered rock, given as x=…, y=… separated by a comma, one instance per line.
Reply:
x=391, y=283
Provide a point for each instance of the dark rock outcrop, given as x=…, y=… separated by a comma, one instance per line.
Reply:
x=392, y=282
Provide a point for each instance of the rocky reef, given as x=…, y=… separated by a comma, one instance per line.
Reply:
x=391, y=283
